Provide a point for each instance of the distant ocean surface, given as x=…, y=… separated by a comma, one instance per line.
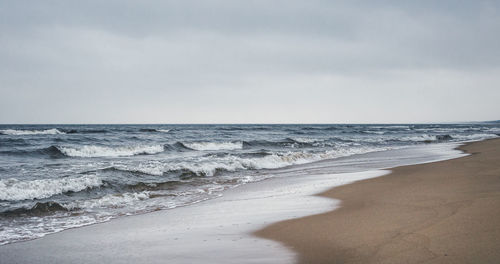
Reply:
x=55, y=177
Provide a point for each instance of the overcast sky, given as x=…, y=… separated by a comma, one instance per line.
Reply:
x=249, y=61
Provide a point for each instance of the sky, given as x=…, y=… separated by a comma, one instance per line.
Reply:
x=122, y=61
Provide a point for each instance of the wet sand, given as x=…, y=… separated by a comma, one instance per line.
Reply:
x=441, y=212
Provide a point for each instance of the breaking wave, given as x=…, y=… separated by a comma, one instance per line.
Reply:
x=85, y=131
x=109, y=200
x=214, y=145
x=475, y=136
x=16, y=190
x=140, y=169
x=212, y=165
x=154, y=130
x=91, y=151
x=51, y=151
x=287, y=142
x=426, y=138
x=39, y=209
x=53, y=131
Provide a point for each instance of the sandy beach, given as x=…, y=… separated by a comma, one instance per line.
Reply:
x=441, y=212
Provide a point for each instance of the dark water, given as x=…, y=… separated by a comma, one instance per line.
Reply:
x=54, y=177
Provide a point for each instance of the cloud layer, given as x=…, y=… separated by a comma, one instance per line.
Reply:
x=248, y=61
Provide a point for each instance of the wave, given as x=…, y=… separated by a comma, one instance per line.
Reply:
x=91, y=151
x=39, y=209
x=430, y=138
x=443, y=137
x=475, y=136
x=287, y=142
x=323, y=128
x=280, y=160
x=211, y=165
x=148, y=130
x=110, y=200
x=424, y=138
x=140, y=169
x=255, y=154
x=17, y=190
x=53, y=131
x=13, y=141
x=376, y=132
x=243, y=128
x=153, y=186
x=85, y=131
x=213, y=145
x=154, y=130
x=51, y=151
x=133, y=198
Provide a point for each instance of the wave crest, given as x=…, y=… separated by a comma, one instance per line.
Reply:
x=214, y=164
x=285, y=143
x=214, y=145
x=16, y=190
x=475, y=136
x=154, y=130
x=91, y=151
x=39, y=209
x=14, y=132
x=109, y=200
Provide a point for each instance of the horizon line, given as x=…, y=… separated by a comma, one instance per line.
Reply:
x=361, y=123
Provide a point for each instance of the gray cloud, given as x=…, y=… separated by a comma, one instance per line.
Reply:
x=248, y=61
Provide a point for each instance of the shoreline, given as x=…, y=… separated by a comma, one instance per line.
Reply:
x=222, y=229
x=439, y=212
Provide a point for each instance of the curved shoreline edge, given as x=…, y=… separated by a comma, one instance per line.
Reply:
x=439, y=212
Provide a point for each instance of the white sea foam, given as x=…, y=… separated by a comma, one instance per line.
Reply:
x=279, y=160
x=90, y=151
x=385, y=138
x=390, y=127
x=214, y=145
x=151, y=168
x=418, y=138
x=163, y=130
x=473, y=136
x=15, y=190
x=305, y=140
x=53, y=131
x=209, y=165
x=110, y=200
x=493, y=130
x=459, y=137
x=374, y=132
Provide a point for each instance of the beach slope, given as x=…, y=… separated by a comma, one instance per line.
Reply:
x=441, y=212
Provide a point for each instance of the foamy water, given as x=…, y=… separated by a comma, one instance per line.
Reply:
x=100, y=151
x=17, y=132
x=18, y=190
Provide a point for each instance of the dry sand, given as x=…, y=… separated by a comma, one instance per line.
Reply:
x=442, y=212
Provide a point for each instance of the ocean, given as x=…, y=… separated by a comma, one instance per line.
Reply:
x=55, y=177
